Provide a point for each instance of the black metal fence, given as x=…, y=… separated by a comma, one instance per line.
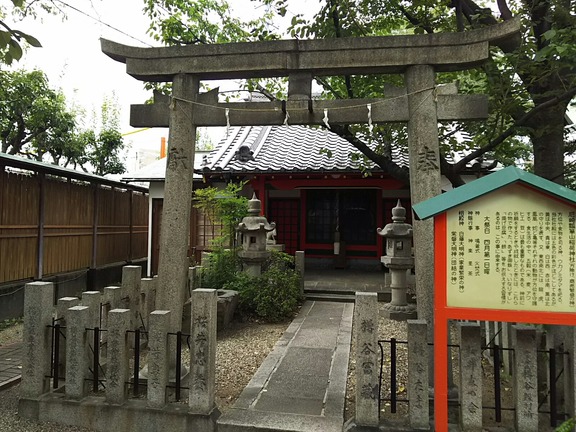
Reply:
x=548, y=400
x=98, y=370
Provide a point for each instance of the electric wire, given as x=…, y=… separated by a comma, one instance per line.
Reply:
x=102, y=22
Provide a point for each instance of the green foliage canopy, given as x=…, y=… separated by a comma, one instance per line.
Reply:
x=530, y=80
x=36, y=123
x=225, y=206
x=14, y=41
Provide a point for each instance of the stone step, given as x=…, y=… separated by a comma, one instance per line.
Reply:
x=339, y=296
x=324, y=296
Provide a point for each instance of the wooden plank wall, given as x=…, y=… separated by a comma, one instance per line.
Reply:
x=19, y=200
x=67, y=236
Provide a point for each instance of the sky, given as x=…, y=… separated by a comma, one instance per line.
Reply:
x=73, y=61
x=71, y=58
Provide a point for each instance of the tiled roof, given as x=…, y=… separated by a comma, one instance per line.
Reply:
x=283, y=149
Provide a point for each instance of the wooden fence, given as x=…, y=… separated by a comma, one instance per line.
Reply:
x=54, y=220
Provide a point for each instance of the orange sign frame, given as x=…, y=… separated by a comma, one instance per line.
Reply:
x=443, y=313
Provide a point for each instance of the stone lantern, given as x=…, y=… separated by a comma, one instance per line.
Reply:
x=253, y=232
x=399, y=260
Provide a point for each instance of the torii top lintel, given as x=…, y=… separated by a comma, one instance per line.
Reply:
x=360, y=55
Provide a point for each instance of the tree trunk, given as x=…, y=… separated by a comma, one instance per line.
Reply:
x=548, y=143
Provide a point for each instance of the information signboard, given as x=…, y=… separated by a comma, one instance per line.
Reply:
x=505, y=250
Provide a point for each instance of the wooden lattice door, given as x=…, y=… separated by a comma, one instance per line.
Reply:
x=286, y=214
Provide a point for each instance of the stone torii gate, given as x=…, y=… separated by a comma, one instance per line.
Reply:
x=421, y=104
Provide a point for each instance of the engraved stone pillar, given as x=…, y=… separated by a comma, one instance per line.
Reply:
x=117, y=358
x=38, y=307
x=158, y=358
x=192, y=280
x=525, y=386
x=203, y=351
x=424, y=183
x=111, y=299
x=470, y=377
x=62, y=307
x=175, y=230
x=113, y=296
x=77, y=362
x=149, y=292
x=419, y=408
x=367, y=355
x=299, y=260
x=131, y=286
x=92, y=299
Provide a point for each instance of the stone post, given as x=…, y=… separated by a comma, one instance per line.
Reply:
x=367, y=355
x=92, y=299
x=36, y=361
x=113, y=296
x=203, y=351
x=62, y=307
x=117, y=358
x=419, y=408
x=470, y=377
x=158, y=362
x=525, y=370
x=192, y=281
x=175, y=229
x=77, y=360
x=131, y=287
x=149, y=304
x=424, y=184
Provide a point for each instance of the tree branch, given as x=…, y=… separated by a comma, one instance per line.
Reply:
x=415, y=21
x=385, y=163
x=523, y=121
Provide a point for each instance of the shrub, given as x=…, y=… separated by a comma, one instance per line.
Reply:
x=567, y=426
x=273, y=296
x=223, y=266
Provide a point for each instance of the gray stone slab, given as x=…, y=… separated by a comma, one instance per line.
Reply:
x=300, y=388
x=284, y=404
x=305, y=361
x=316, y=338
x=235, y=418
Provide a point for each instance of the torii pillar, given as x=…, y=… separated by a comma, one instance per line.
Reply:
x=424, y=184
x=175, y=230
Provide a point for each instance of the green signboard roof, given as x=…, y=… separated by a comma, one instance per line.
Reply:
x=487, y=184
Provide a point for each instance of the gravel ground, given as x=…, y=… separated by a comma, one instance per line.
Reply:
x=241, y=349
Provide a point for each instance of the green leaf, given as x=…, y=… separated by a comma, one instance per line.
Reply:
x=32, y=40
x=4, y=38
x=15, y=50
x=549, y=34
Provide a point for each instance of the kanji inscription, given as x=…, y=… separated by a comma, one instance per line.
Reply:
x=512, y=251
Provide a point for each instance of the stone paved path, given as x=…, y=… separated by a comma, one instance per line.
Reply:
x=301, y=385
